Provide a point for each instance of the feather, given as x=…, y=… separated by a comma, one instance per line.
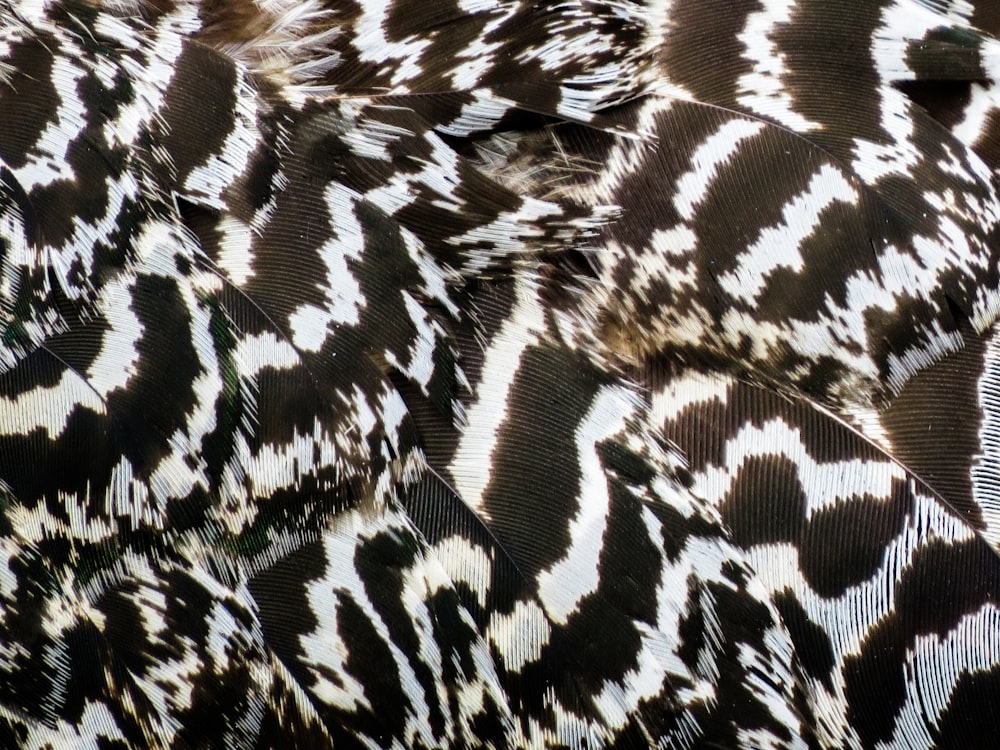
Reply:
x=499, y=374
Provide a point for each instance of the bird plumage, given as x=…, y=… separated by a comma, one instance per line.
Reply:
x=499, y=374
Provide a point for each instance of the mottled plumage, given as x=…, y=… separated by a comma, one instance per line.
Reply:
x=499, y=374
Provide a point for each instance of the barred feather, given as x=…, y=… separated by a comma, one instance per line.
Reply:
x=499, y=374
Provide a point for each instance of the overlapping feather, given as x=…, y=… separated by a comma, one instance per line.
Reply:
x=498, y=374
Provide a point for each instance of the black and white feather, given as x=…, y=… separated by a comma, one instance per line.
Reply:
x=505, y=374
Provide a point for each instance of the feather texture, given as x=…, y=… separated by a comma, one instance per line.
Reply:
x=499, y=373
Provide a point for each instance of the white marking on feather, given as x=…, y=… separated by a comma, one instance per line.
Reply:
x=47, y=408
x=393, y=411
x=372, y=139
x=308, y=326
x=96, y=727
x=569, y=580
x=34, y=524
x=373, y=45
x=421, y=367
x=934, y=666
x=900, y=22
x=435, y=277
x=706, y=161
x=394, y=194
x=677, y=244
x=324, y=645
x=937, y=343
x=658, y=657
x=519, y=636
x=183, y=468
x=571, y=730
x=79, y=248
x=466, y=563
x=9, y=550
x=207, y=385
x=30, y=12
x=849, y=617
x=110, y=25
x=118, y=357
x=477, y=59
x=471, y=463
x=224, y=629
x=781, y=245
x=341, y=287
x=474, y=7
x=691, y=389
x=626, y=157
x=440, y=173
x=66, y=608
x=897, y=156
x=257, y=351
x=151, y=75
x=583, y=95
x=768, y=676
x=174, y=476
x=763, y=89
x=504, y=236
x=311, y=324
x=129, y=498
x=420, y=581
x=276, y=466
x=17, y=253
x=48, y=162
x=826, y=485
x=209, y=181
x=481, y=113
x=172, y=677
x=364, y=416
x=235, y=257
x=897, y=277
x=985, y=471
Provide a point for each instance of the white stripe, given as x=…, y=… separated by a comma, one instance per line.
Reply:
x=470, y=466
x=707, y=159
x=565, y=584
x=781, y=245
